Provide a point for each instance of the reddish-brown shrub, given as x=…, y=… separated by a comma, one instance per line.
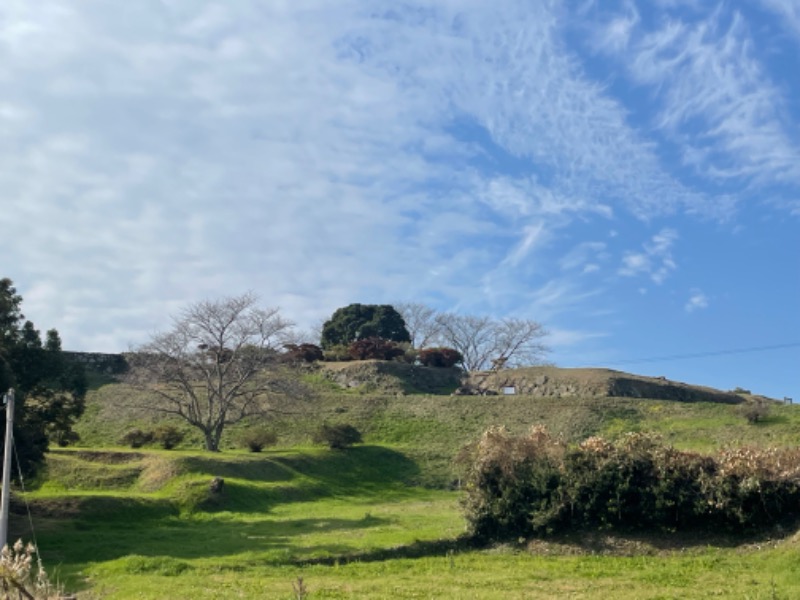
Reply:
x=439, y=357
x=374, y=348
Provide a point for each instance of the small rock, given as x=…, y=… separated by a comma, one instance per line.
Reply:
x=217, y=485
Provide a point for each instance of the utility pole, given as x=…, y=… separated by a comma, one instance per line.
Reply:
x=8, y=401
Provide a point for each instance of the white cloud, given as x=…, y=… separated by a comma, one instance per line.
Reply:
x=655, y=260
x=154, y=153
x=561, y=339
x=697, y=301
x=789, y=10
x=583, y=257
x=615, y=35
x=727, y=115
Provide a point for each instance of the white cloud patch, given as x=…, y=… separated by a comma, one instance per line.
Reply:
x=789, y=10
x=584, y=257
x=655, y=260
x=697, y=301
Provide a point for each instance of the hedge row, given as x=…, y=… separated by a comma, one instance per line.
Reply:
x=522, y=486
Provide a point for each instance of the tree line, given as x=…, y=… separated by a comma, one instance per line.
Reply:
x=49, y=388
x=224, y=361
x=482, y=342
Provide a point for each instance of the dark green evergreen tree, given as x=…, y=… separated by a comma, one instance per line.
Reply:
x=360, y=321
x=49, y=389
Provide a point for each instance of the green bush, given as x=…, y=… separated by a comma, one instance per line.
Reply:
x=256, y=440
x=755, y=411
x=521, y=486
x=136, y=438
x=168, y=436
x=337, y=437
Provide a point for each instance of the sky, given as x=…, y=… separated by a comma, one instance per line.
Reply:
x=625, y=172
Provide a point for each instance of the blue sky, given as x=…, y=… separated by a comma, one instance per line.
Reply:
x=627, y=173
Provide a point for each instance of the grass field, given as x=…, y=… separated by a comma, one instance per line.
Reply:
x=378, y=520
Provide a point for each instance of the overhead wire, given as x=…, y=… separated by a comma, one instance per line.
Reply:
x=705, y=354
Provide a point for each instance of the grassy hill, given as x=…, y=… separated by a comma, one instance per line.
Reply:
x=382, y=520
x=376, y=397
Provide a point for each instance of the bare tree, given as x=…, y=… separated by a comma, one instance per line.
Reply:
x=422, y=323
x=473, y=337
x=483, y=341
x=519, y=342
x=216, y=365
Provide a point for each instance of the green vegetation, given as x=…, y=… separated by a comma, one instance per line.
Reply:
x=379, y=520
x=361, y=321
x=256, y=439
x=49, y=388
x=533, y=484
x=216, y=367
x=338, y=437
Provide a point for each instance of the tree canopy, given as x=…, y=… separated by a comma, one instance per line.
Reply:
x=361, y=321
x=49, y=389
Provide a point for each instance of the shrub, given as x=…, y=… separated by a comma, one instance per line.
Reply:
x=256, y=440
x=168, y=436
x=410, y=355
x=756, y=411
x=136, y=438
x=337, y=353
x=374, y=348
x=64, y=438
x=440, y=357
x=337, y=437
x=307, y=353
x=530, y=485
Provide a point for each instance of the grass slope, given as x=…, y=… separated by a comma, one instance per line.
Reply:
x=376, y=521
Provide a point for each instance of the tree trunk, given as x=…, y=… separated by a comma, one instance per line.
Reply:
x=212, y=441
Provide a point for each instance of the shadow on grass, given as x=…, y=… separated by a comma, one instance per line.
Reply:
x=329, y=472
x=262, y=468
x=571, y=544
x=419, y=549
x=94, y=541
x=194, y=522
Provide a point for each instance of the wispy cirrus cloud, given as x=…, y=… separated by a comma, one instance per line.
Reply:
x=154, y=153
x=717, y=102
x=789, y=10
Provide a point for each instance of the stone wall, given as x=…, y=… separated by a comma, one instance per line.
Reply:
x=112, y=364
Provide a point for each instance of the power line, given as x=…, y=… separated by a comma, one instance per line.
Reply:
x=705, y=354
